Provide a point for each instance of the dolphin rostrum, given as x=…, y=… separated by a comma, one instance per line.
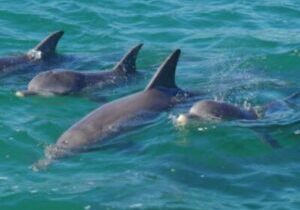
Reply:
x=41, y=52
x=63, y=82
x=120, y=115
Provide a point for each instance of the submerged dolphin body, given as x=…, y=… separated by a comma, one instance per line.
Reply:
x=282, y=105
x=120, y=115
x=42, y=52
x=62, y=82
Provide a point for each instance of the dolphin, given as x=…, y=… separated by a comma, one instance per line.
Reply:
x=63, y=82
x=120, y=115
x=214, y=110
x=41, y=52
x=208, y=109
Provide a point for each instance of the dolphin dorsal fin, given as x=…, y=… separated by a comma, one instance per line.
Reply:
x=128, y=63
x=48, y=46
x=165, y=74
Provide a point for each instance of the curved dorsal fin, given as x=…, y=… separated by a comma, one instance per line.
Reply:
x=128, y=63
x=48, y=45
x=165, y=74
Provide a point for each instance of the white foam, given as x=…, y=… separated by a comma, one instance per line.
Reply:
x=20, y=94
x=88, y=207
x=33, y=191
x=34, y=54
x=136, y=205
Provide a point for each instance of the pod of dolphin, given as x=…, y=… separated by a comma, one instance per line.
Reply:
x=118, y=116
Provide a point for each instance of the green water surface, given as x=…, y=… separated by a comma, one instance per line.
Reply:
x=244, y=52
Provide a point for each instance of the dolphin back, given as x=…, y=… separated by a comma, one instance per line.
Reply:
x=165, y=74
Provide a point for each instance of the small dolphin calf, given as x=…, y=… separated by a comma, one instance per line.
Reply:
x=120, y=115
x=213, y=110
x=43, y=51
x=63, y=82
x=208, y=109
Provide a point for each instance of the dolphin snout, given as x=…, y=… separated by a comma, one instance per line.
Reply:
x=184, y=119
x=24, y=93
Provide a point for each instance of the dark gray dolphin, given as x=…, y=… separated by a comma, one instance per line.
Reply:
x=43, y=51
x=120, y=115
x=62, y=82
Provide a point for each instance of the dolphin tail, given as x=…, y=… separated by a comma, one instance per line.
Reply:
x=48, y=46
x=127, y=64
x=165, y=74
